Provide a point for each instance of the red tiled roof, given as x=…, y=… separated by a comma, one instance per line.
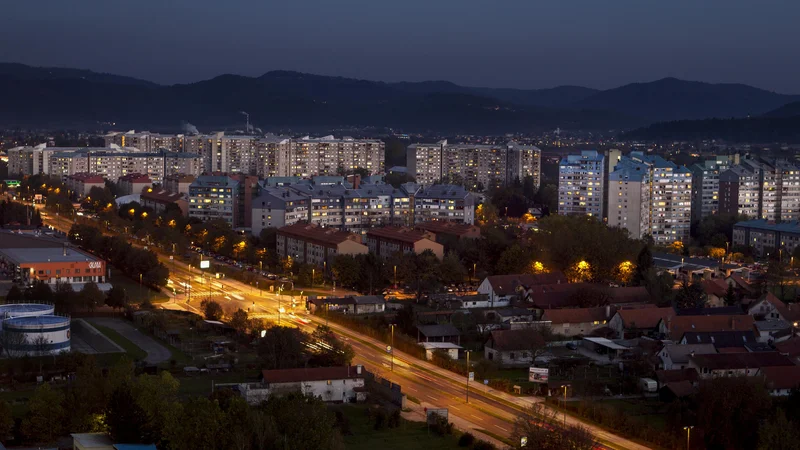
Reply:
x=399, y=234
x=644, y=317
x=507, y=284
x=790, y=312
x=789, y=347
x=741, y=282
x=455, y=229
x=161, y=196
x=576, y=315
x=311, y=374
x=715, y=287
x=726, y=361
x=86, y=177
x=135, y=178
x=672, y=376
x=552, y=296
x=781, y=377
x=317, y=234
x=510, y=340
x=682, y=324
x=680, y=389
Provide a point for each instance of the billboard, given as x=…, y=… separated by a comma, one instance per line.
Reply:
x=538, y=374
x=205, y=264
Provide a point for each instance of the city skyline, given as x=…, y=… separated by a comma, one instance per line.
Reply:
x=545, y=44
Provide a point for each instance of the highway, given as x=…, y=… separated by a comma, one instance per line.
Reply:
x=488, y=409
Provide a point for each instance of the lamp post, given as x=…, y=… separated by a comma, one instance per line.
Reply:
x=688, y=435
x=313, y=274
x=391, y=349
x=565, y=386
x=395, y=276
x=474, y=271
x=467, y=376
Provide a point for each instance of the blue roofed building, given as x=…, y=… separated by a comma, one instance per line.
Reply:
x=767, y=236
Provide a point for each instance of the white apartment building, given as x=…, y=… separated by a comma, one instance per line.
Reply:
x=113, y=165
x=769, y=188
x=274, y=157
x=444, y=202
x=331, y=156
x=649, y=195
x=145, y=141
x=477, y=167
x=278, y=207
x=580, y=184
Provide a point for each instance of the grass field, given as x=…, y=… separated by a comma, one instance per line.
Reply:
x=130, y=348
x=651, y=411
x=407, y=436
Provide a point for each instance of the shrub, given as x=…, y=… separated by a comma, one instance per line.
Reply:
x=483, y=445
x=441, y=426
x=466, y=440
x=394, y=419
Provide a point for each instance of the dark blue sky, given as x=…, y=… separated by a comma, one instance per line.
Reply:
x=501, y=43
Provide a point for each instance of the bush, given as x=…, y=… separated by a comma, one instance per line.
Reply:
x=483, y=445
x=394, y=419
x=343, y=423
x=441, y=426
x=466, y=440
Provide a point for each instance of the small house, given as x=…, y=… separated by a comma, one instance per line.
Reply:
x=438, y=333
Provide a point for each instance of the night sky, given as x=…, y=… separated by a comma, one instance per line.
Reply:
x=501, y=43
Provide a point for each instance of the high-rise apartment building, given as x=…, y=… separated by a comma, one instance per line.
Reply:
x=580, y=184
x=648, y=195
x=145, y=141
x=477, y=167
x=705, y=186
x=215, y=197
x=739, y=192
x=761, y=190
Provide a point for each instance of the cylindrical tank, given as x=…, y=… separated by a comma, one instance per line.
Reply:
x=10, y=310
x=38, y=335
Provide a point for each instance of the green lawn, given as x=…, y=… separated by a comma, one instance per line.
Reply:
x=651, y=411
x=200, y=385
x=132, y=349
x=407, y=436
x=137, y=293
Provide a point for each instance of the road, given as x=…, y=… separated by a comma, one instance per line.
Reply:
x=488, y=409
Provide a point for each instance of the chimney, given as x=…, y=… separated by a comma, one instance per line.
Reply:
x=64, y=250
x=358, y=369
x=669, y=324
x=608, y=312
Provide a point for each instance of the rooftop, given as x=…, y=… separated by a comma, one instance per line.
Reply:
x=135, y=178
x=644, y=317
x=161, y=196
x=311, y=374
x=721, y=339
x=575, y=315
x=317, y=234
x=508, y=284
x=771, y=225
x=781, y=377
x=407, y=235
x=444, y=330
x=683, y=324
x=510, y=340
x=42, y=255
x=729, y=361
x=456, y=229
x=680, y=353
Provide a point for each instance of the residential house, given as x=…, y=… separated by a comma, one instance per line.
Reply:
x=742, y=287
x=438, y=333
x=82, y=183
x=768, y=331
x=765, y=308
x=780, y=380
x=693, y=268
x=676, y=356
x=675, y=327
x=575, y=295
x=719, y=365
x=571, y=322
x=513, y=315
x=447, y=347
x=712, y=311
x=634, y=322
x=716, y=289
x=513, y=348
x=343, y=384
x=445, y=231
x=723, y=341
x=506, y=287
x=357, y=304
x=133, y=183
x=790, y=348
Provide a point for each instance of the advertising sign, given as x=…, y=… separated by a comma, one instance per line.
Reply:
x=538, y=374
x=205, y=264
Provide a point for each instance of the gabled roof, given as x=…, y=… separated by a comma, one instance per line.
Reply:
x=399, y=234
x=508, y=284
x=317, y=234
x=684, y=324
x=790, y=347
x=511, y=340
x=575, y=315
x=730, y=361
x=715, y=287
x=680, y=353
x=680, y=389
x=644, y=317
x=713, y=311
x=311, y=374
x=740, y=282
x=781, y=377
x=721, y=339
x=672, y=376
x=444, y=330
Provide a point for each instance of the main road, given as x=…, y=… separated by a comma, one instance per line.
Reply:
x=488, y=410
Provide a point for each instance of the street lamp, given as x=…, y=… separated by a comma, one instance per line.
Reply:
x=688, y=435
x=468, y=376
x=313, y=273
x=565, y=386
x=395, y=276
x=391, y=349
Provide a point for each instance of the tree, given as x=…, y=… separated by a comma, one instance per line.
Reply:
x=45, y=415
x=90, y=296
x=778, y=433
x=302, y=422
x=13, y=344
x=40, y=291
x=452, y=269
x=644, y=262
x=548, y=197
x=659, y=286
x=156, y=395
x=328, y=350
x=239, y=321
x=346, y=270
x=540, y=429
x=6, y=420
x=65, y=297
x=730, y=296
x=211, y=309
x=690, y=296
x=282, y=348
x=197, y=424
x=125, y=419
x=727, y=420
x=14, y=294
x=116, y=298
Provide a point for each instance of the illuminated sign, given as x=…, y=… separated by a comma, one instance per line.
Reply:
x=205, y=264
x=95, y=264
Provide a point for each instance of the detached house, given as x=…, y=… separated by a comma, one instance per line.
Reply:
x=331, y=384
x=635, y=322
x=501, y=289
x=676, y=357
x=675, y=327
x=736, y=364
x=577, y=321
x=513, y=348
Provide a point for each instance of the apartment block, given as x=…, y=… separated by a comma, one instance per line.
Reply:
x=761, y=189
x=385, y=242
x=134, y=183
x=182, y=164
x=82, y=183
x=444, y=202
x=311, y=244
x=477, y=167
x=739, y=192
x=113, y=165
x=580, y=184
x=215, y=197
x=330, y=156
x=705, y=186
x=649, y=195
x=178, y=183
x=278, y=207
x=767, y=236
x=274, y=157
x=145, y=141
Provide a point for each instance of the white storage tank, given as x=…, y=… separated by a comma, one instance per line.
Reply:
x=43, y=335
